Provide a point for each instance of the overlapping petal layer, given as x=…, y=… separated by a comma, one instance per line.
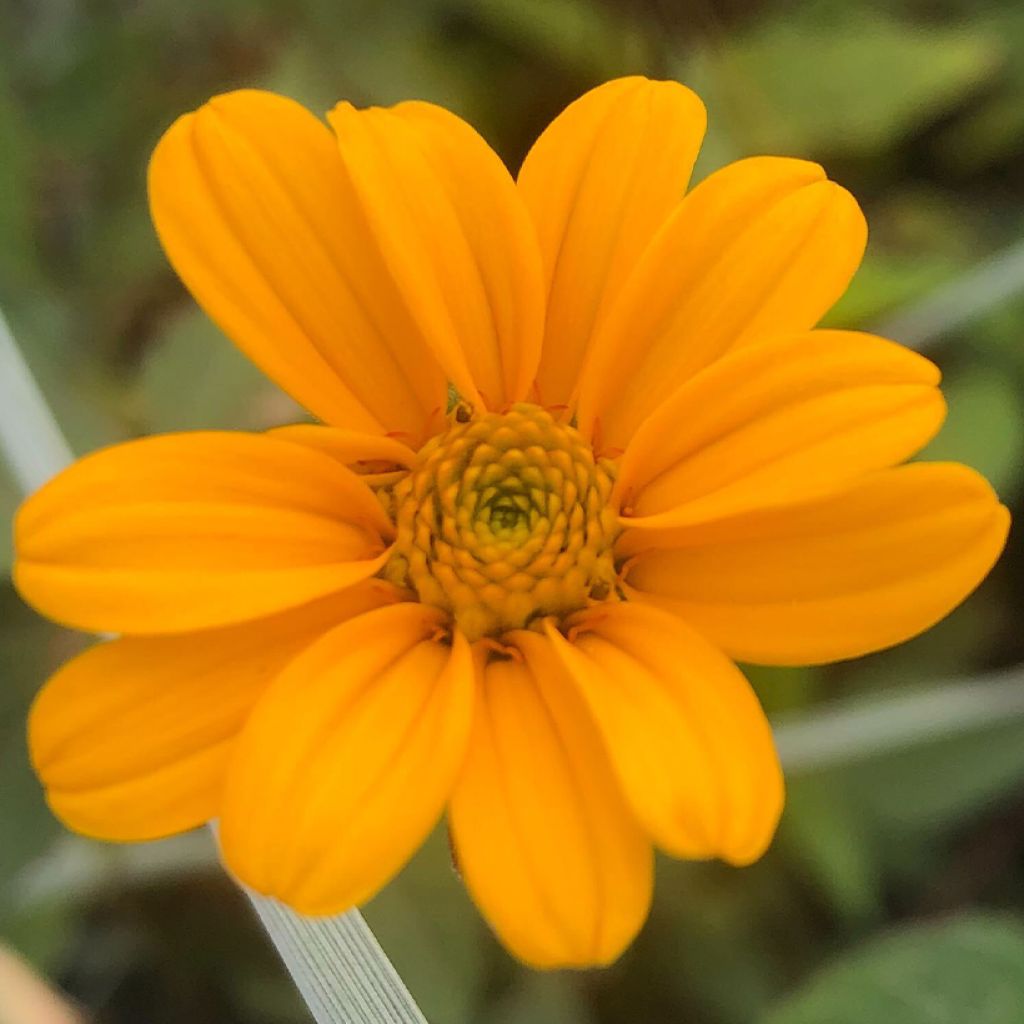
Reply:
x=189, y=531
x=854, y=572
x=377, y=460
x=350, y=447
x=542, y=836
x=599, y=182
x=763, y=246
x=348, y=759
x=778, y=422
x=688, y=739
x=131, y=739
x=254, y=209
x=448, y=220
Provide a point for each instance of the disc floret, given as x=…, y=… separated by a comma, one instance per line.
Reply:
x=504, y=520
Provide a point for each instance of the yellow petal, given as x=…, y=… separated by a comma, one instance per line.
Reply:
x=851, y=573
x=189, y=531
x=779, y=422
x=763, y=246
x=378, y=460
x=688, y=739
x=349, y=447
x=599, y=182
x=347, y=761
x=542, y=836
x=250, y=200
x=131, y=739
x=445, y=213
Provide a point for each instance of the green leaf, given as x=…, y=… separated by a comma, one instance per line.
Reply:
x=985, y=427
x=920, y=792
x=965, y=971
x=597, y=40
x=822, y=78
x=990, y=130
x=826, y=832
x=780, y=688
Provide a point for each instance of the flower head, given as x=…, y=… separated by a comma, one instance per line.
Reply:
x=521, y=605
x=505, y=520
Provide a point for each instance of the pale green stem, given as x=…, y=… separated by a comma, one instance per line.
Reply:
x=959, y=302
x=30, y=439
x=870, y=726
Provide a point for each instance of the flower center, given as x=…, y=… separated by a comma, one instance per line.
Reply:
x=503, y=520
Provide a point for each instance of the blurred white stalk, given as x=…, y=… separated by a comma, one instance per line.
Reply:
x=30, y=439
x=863, y=727
x=959, y=302
x=336, y=963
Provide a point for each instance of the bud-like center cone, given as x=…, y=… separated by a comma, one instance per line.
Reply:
x=505, y=519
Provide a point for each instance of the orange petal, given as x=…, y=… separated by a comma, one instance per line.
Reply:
x=379, y=461
x=252, y=205
x=763, y=246
x=446, y=215
x=131, y=739
x=599, y=182
x=189, y=531
x=349, y=447
x=779, y=422
x=347, y=761
x=542, y=836
x=688, y=739
x=851, y=573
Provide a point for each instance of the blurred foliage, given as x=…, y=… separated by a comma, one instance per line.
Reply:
x=875, y=77
x=971, y=969
x=918, y=108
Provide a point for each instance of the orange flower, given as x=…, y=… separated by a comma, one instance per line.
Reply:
x=520, y=605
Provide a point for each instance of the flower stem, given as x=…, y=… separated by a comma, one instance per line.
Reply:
x=959, y=302
x=31, y=442
x=860, y=728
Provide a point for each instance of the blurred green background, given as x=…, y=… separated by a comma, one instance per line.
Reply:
x=894, y=893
